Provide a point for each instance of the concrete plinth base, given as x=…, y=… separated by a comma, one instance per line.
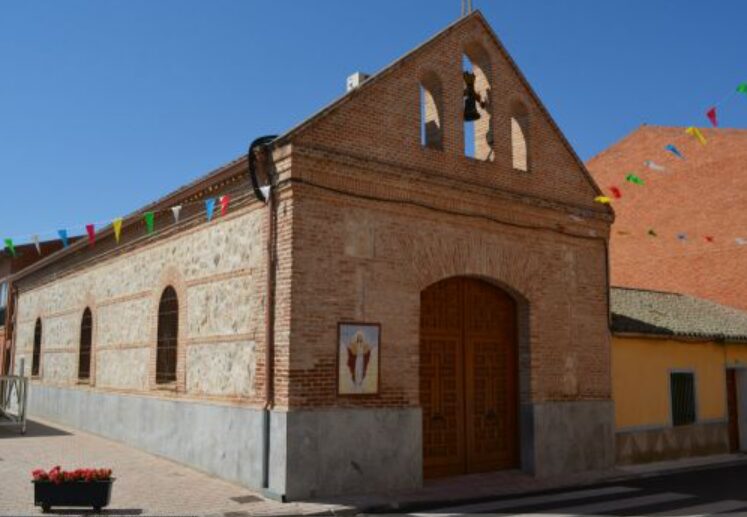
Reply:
x=222, y=440
x=569, y=437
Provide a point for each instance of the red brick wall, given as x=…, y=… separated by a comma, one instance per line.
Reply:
x=702, y=196
x=377, y=219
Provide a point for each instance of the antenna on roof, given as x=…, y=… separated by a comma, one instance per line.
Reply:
x=466, y=7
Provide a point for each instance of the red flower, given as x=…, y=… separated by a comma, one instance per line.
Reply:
x=57, y=475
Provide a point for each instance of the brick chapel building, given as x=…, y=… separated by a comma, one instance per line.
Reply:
x=400, y=308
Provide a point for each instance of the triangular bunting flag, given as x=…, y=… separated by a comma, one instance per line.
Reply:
x=176, y=210
x=616, y=192
x=682, y=236
x=150, y=221
x=709, y=238
x=742, y=88
x=210, y=208
x=672, y=149
x=652, y=233
x=10, y=247
x=117, y=225
x=37, y=244
x=91, y=231
x=654, y=166
x=741, y=241
x=711, y=114
x=265, y=192
x=602, y=199
x=694, y=131
x=224, y=200
x=63, y=237
x=632, y=178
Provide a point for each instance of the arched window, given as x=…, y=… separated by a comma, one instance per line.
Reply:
x=36, y=355
x=478, y=133
x=520, y=137
x=168, y=332
x=84, y=354
x=431, y=125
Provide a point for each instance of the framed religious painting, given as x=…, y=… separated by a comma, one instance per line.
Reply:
x=358, y=356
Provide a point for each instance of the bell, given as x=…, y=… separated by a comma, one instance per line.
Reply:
x=470, y=109
x=470, y=98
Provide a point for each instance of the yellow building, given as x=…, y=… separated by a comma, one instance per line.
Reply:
x=679, y=376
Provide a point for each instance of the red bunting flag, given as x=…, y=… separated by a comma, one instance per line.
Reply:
x=224, y=200
x=709, y=238
x=711, y=114
x=91, y=230
x=616, y=192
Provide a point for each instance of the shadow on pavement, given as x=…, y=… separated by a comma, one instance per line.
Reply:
x=33, y=429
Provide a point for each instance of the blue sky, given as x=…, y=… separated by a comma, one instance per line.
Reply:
x=107, y=105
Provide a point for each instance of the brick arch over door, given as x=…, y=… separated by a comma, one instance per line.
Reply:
x=469, y=377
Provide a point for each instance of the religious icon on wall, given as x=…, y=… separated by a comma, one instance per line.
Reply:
x=358, y=358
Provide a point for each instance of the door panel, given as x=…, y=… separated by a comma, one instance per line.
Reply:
x=732, y=404
x=468, y=378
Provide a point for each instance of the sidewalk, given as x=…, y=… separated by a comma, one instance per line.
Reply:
x=145, y=484
x=149, y=485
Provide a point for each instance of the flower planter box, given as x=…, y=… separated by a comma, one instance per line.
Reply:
x=95, y=494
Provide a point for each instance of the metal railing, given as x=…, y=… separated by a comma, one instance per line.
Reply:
x=13, y=397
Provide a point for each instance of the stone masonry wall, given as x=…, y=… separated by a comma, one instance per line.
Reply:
x=218, y=271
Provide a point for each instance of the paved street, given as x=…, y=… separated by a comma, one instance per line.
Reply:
x=705, y=492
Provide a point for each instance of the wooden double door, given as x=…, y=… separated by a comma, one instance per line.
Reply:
x=468, y=378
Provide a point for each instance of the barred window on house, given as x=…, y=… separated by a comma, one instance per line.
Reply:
x=36, y=354
x=682, y=388
x=168, y=331
x=84, y=354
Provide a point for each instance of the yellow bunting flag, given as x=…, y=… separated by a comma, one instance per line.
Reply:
x=694, y=131
x=117, y=225
x=602, y=199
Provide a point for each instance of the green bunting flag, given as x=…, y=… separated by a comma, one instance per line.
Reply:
x=742, y=88
x=10, y=247
x=149, y=221
x=632, y=178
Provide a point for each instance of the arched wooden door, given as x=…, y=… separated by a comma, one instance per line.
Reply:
x=468, y=378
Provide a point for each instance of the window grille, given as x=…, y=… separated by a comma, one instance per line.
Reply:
x=36, y=356
x=86, y=335
x=168, y=331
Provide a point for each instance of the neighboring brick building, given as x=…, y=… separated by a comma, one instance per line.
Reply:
x=486, y=277
x=698, y=197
